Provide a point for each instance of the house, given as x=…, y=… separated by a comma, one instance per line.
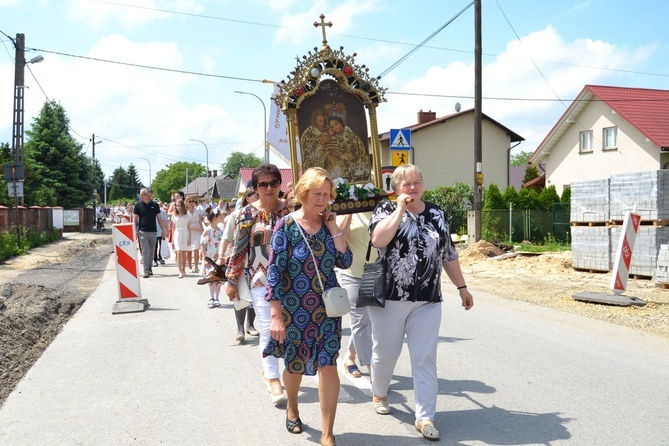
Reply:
x=517, y=174
x=606, y=131
x=443, y=149
x=213, y=186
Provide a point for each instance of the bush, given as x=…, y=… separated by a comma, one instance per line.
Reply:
x=9, y=241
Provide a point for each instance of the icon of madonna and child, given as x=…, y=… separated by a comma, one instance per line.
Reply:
x=330, y=143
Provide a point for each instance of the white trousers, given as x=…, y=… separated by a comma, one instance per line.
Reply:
x=360, y=341
x=270, y=364
x=420, y=322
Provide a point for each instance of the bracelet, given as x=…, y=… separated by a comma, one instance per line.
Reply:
x=338, y=234
x=462, y=287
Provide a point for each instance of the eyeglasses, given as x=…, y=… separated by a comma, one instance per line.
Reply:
x=190, y=201
x=272, y=184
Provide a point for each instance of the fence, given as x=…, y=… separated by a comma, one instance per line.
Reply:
x=514, y=226
x=41, y=219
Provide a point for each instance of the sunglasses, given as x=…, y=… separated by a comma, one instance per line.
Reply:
x=266, y=184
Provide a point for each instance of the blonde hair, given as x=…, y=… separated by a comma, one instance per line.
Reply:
x=401, y=172
x=313, y=178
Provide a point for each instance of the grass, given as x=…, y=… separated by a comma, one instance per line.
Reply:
x=550, y=244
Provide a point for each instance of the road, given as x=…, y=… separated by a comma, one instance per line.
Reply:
x=510, y=374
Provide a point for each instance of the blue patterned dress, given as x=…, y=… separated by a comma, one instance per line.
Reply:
x=312, y=338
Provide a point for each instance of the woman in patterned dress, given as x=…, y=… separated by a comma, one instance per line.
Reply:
x=414, y=240
x=302, y=334
x=253, y=233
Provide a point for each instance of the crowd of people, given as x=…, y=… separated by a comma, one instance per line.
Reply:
x=285, y=249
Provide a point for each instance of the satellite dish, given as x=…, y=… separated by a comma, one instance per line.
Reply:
x=457, y=107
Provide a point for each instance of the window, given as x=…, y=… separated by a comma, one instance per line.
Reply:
x=585, y=142
x=610, y=138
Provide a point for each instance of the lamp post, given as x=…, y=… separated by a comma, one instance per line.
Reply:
x=149, y=170
x=206, y=153
x=264, y=128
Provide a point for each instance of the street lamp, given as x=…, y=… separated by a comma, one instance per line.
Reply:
x=149, y=169
x=206, y=153
x=264, y=128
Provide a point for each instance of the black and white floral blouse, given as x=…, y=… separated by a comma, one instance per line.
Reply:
x=415, y=255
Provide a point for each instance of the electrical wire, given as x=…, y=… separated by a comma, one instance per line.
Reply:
x=420, y=45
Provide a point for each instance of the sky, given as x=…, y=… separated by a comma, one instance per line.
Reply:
x=147, y=77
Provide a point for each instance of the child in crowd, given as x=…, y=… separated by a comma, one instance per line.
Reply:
x=210, y=240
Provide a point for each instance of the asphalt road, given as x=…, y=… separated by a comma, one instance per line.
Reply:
x=510, y=374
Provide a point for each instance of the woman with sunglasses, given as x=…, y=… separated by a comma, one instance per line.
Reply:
x=253, y=233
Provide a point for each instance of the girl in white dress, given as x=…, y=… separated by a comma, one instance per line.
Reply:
x=181, y=240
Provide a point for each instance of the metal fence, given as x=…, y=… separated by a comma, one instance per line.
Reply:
x=514, y=226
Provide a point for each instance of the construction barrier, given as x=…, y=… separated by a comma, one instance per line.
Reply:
x=621, y=268
x=127, y=264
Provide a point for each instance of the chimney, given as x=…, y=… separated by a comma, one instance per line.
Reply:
x=215, y=173
x=427, y=116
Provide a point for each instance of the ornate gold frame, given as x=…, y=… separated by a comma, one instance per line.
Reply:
x=352, y=78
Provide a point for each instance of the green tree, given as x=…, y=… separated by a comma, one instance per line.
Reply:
x=547, y=197
x=528, y=199
x=520, y=159
x=173, y=178
x=134, y=185
x=57, y=171
x=237, y=160
x=493, y=198
x=5, y=157
x=510, y=195
x=120, y=182
x=531, y=172
x=455, y=201
x=566, y=195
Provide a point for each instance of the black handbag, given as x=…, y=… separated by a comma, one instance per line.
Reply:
x=372, y=292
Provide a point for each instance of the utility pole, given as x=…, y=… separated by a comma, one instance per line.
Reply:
x=19, y=79
x=478, y=118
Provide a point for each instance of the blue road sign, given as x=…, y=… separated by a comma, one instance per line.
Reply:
x=400, y=139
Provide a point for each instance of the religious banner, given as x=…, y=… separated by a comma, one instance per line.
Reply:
x=327, y=101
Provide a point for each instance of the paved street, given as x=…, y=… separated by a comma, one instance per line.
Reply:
x=510, y=374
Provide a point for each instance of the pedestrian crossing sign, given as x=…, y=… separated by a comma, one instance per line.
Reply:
x=400, y=139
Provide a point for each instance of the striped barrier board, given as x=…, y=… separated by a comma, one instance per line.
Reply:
x=127, y=265
x=621, y=268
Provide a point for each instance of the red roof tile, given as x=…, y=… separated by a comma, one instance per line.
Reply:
x=645, y=109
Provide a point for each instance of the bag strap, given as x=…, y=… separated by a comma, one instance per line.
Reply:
x=318, y=272
x=369, y=251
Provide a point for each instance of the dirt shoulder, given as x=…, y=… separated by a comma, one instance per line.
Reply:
x=39, y=292
x=549, y=280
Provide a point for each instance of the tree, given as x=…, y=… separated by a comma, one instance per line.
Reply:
x=548, y=196
x=566, y=195
x=455, y=201
x=57, y=171
x=510, y=195
x=528, y=199
x=520, y=159
x=134, y=183
x=120, y=180
x=237, y=160
x=493, y=199
x=5, y=157
x=531, y=172
x=167, y=181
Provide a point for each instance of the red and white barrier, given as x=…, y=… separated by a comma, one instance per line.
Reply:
x=621, y=268
x=127, y=264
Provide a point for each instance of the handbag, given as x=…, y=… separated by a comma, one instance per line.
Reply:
x=372, y=291
x=165, y=252
x=336, y=298
x=245, y=297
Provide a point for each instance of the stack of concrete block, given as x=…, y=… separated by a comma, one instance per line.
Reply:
x=590, y=201
x=662, y=270
x=645, y=190
x=646, y=248
x=591, y=248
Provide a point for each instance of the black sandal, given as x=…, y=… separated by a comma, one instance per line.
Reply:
x=292, y=424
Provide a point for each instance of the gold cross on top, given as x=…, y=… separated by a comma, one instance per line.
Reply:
x=323, y=25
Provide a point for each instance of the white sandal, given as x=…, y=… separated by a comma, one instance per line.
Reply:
x=381, y=407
